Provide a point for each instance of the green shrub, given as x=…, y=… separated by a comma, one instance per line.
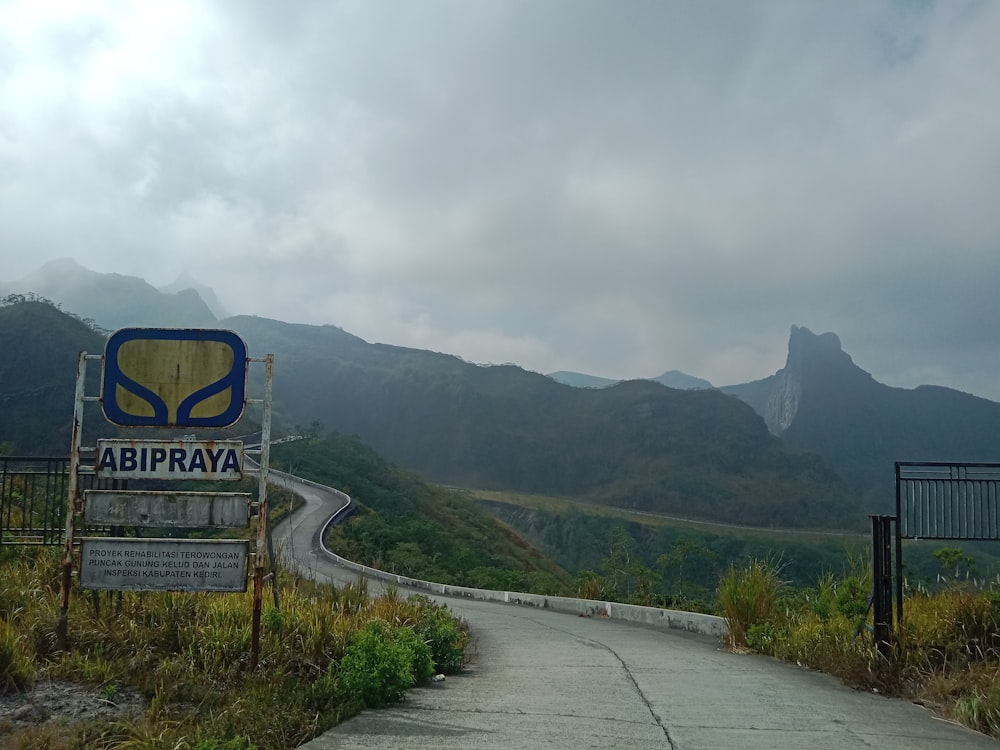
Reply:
x=446, y=637
x=381, y=662
x=764, y=637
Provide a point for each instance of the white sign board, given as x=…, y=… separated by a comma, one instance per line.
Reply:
x=177, y=459
x=163, y=564
x=217, y=510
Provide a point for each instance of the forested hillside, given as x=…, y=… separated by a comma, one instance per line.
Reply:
x=406, y=526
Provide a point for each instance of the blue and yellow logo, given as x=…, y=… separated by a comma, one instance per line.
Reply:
x=174, y=377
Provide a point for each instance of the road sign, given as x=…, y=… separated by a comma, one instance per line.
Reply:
x=174, y=377
x=163, y=564
x=173, y=509
x=178, y=459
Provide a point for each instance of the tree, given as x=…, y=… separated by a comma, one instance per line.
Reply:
x=952, y=559
x=681, y=553
x=628, y=578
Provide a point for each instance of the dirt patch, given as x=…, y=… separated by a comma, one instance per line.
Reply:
x=66, y=701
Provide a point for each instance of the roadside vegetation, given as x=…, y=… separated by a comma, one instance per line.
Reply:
x=659, y=560
x=946, y=653
x=325, y=654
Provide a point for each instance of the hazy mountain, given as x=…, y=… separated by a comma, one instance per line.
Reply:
x=671, y=379
x=636, y=444
x=821, y=401
x=112, y=300
x=186, y=281
x=581, y=380
x=678, y=379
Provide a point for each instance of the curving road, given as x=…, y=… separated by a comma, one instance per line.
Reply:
x=542, y=679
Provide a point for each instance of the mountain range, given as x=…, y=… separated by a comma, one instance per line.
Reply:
x=638, y=444
x=811, y=445
x=115, y=301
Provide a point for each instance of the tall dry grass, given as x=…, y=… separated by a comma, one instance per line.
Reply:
x=748, y=597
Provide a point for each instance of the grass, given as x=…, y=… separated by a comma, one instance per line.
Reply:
x=325, y=655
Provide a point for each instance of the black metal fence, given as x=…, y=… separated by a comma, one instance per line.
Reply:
x=33, y=499
x=948, y=500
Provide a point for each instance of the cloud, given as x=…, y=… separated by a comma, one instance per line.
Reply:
x=616, y=188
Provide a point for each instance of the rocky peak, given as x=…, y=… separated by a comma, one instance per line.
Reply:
x=815, y=363
x=806, y=348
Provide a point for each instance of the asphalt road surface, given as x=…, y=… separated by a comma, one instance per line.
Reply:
x=542, y=679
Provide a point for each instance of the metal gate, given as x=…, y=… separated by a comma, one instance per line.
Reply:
x=33, y=492
x=934, y=500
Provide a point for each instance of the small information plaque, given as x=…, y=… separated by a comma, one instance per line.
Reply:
x=126, y=564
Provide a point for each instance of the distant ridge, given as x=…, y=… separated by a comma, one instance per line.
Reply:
x=581, y=380
x=678, y=379
x=111, y=299
x=671, y=379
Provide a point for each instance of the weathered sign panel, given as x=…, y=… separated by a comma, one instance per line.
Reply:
x=174, y=377
x=174, y=509
x=177, y=459
x=163, y=564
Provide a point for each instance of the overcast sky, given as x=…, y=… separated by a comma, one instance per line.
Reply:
x=618, y=188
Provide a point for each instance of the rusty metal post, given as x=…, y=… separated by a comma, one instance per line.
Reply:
x=265, y=463
x=263, y=527
x=72, y=501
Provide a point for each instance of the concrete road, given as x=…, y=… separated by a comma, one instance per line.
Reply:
x=541, y=679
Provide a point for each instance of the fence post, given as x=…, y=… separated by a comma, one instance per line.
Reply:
x=882, y=582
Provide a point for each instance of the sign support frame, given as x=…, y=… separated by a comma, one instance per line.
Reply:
x=261, y=543
x=72, y=500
